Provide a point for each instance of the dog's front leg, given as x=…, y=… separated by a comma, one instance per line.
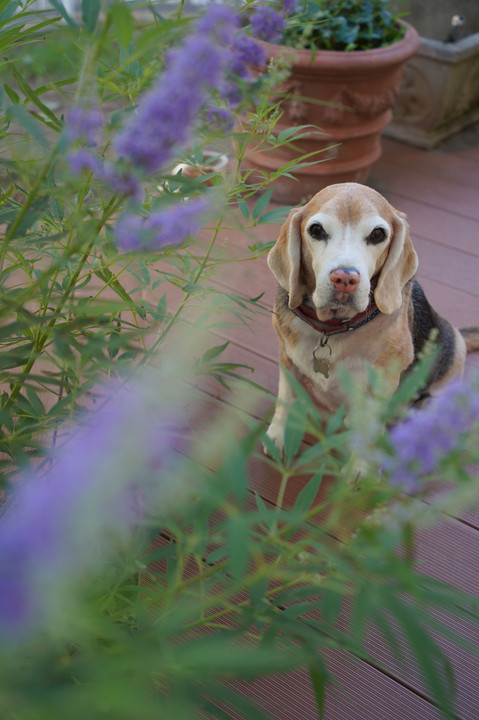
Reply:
x=277, y=427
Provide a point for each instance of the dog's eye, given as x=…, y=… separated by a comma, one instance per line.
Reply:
x=377, y=236
x=317, y=232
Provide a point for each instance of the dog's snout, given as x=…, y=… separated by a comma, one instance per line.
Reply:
x=345, y=280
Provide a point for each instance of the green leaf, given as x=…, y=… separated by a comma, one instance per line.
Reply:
x=238, y=546
x=32, y=95
x=431, y=661
x=244, y=207
x=22, y=116
x=331, y=602
x=364, y=602
x=295, y=595
x=15, y=357
x=35, y=401
x=336, y=421
x=214, y=352
x=306, y=497
x=389, y=633
x=257, y=592
x=277, y=215
x=14, y=97
x=59, y=7
x=106, y=275
x=318, y=676
x=287, y=133
x=260, y=504
x=272, y=449
x=161, y=553
x=261, y=204
x=216, y=555
x=294, y=432
x=90, y=10
x=122, y=22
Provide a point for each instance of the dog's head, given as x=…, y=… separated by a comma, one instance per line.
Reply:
x=331, y=251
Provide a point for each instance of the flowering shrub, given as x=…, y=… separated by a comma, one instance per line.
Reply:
x=134, y=582
x=91, y=186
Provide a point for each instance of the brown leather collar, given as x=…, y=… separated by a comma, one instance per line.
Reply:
x=334, y=326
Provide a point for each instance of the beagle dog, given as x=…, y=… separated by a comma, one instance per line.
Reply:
x=347, y=296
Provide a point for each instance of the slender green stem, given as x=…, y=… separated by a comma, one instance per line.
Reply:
x=282, y=490
x=12, y=230
x=43, y=334
x=180, y=10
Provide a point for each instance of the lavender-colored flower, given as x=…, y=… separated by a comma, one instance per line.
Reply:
x=219, y=117
x=61, y=527
x=232, y=94
x=245, y=52
x=161, y=229
x=267, y=24
x=129, y=231
x=82, y=159
x=167, y=113
x=289, y=7
x=83, y=124
x=219, y=22
x=429, y=435
x=121, y=181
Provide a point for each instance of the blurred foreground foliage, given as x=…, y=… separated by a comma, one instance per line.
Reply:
x=139, y=576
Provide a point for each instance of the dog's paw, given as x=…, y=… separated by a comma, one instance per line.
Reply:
x=274, y=442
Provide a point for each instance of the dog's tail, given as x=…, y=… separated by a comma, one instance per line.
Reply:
x=471, y=337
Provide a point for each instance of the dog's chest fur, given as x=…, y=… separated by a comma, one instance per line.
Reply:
x=327, y=391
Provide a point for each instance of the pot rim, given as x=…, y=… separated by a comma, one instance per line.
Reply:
x=393, y=54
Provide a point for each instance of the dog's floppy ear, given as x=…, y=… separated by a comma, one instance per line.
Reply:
x=284, y=258
x=399, y=267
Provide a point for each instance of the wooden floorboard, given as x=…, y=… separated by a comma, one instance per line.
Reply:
x=462, y=171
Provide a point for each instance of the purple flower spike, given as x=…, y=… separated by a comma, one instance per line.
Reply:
x=289, y=7
x=219, y=22
x=81, y=160
x=167, y=114
x=122, y=181
x=61, y=527
x=83, y=125
x=246, y=52
x=429, y=435
x=267, y=24
x=161, y=229
x=220, y=117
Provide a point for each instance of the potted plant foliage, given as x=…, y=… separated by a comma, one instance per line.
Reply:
x=346, y=59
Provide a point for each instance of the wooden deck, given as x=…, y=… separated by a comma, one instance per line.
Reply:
x=439, y=191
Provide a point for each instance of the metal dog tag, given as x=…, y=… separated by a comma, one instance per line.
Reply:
x=321, y=365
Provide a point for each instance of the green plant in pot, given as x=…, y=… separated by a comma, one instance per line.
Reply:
x=346, y=60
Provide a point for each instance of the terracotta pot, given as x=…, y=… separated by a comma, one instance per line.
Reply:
x=357, y=90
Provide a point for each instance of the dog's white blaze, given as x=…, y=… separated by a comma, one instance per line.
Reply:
x=346, y=247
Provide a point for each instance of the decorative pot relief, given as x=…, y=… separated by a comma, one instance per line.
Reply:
x=370, y=105
x=295, y=108
x=415, y=100
x=349, y=102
